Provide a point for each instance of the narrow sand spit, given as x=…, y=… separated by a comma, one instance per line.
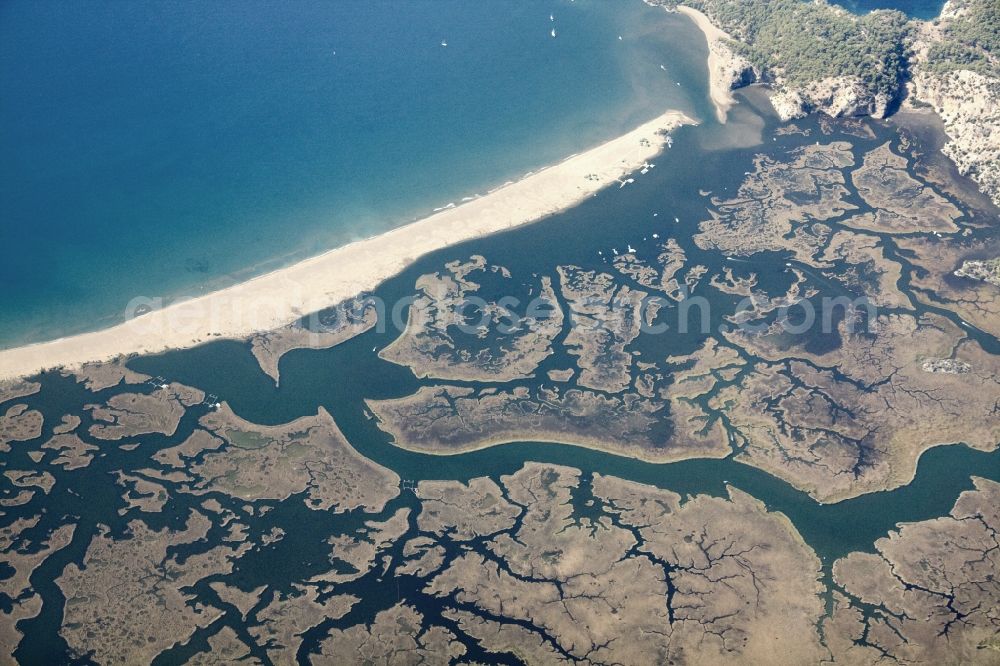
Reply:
x=282, y=296
x=719, y=62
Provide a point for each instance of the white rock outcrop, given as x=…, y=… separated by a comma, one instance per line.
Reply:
x=969, y=105
x=838, y=97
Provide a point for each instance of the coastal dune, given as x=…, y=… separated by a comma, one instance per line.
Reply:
x=282, y=296
x=723, y=65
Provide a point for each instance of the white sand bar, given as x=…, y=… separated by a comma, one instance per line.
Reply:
x=282, y=296
x=720, y=62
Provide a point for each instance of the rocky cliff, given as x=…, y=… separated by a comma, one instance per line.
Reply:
x=819, y=58
x=840, y=96
x=814, y=55
x=957, y=74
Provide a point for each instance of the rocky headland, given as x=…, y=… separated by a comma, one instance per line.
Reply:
x=819, y=58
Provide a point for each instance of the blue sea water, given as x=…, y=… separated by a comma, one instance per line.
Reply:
x=921, y=9
x=168, y=148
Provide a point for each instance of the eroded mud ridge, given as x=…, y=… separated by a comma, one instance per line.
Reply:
x=544, y=565
x=449, y=336
x=146, y=518
x=830, y=406
x=320, y=330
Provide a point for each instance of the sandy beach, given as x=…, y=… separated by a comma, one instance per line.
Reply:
x=720, y=62
x=282, y=296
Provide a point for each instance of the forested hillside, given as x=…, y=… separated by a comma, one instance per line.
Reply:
x=970, y=38
x=799, y=43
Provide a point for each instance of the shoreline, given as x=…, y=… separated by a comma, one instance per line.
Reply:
x=720, y=90
x=282, y=296
x=583, y=443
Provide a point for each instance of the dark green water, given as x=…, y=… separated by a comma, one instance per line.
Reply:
x=341, y=378
x=91, y=498
x=921, y=9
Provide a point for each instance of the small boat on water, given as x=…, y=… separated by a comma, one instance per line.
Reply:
x=553, y=33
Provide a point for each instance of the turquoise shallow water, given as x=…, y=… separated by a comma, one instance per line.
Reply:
x=162, y=149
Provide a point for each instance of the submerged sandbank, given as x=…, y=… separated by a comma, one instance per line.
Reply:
x=282, y=296
x=720, y=63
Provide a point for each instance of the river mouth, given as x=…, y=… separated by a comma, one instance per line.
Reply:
x=340, y=379
x=694, y=178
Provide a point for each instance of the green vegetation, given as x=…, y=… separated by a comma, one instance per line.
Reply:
x=804, y=42
x=247, y=440
x=987, y=270
x=971, y=40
